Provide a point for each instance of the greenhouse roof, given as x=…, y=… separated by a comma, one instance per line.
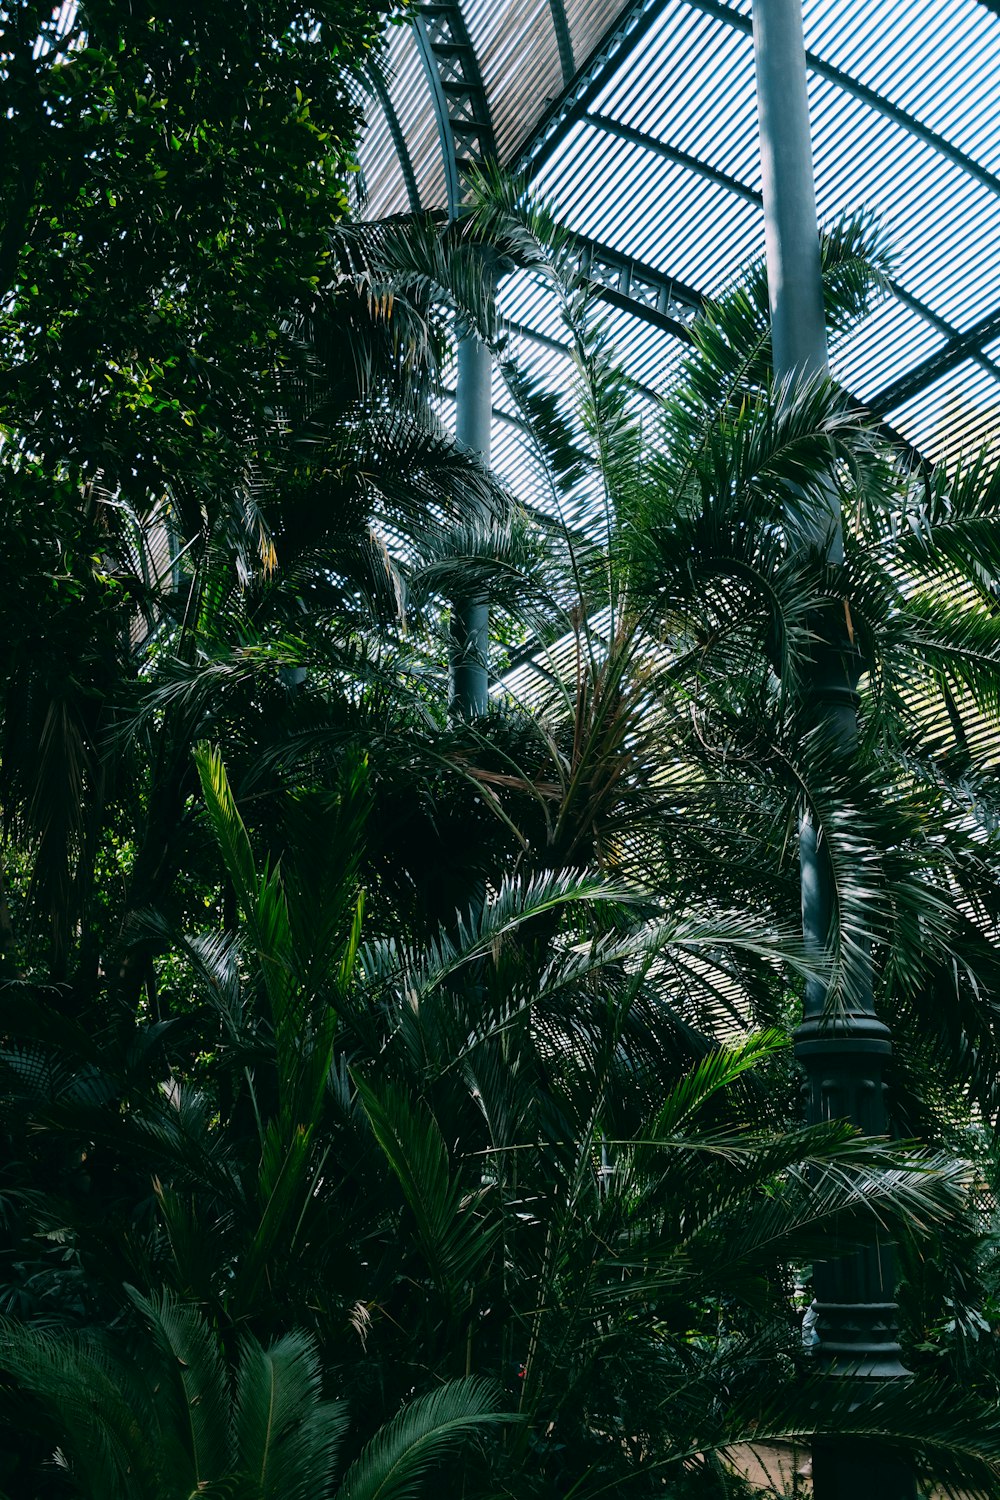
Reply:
x=637, y=125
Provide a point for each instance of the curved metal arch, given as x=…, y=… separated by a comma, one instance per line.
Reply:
x=564, y=40
x=633, y=22
x=458, y=95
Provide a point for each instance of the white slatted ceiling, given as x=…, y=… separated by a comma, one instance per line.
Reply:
x=937, y=59
x=689, y=85
x=519, y=59
x=954, y=415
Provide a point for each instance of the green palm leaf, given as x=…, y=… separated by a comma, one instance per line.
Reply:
x=454, y=1236
x=393, y=1464
x=195, y=1392
x=286, y=1438
x=103, y=1420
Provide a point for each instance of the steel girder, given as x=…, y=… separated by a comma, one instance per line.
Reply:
x=634, y=21
x=458, y=95
x=564, y=40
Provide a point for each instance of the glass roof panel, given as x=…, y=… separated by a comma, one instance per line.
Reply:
x=651, y=150
x=949, y=418
x=648, y=207
x=693, y=88
x=519, y=59
x=937, y=59
x=588, y=20
x=892, y=342
x=949, y=260
x=407, y=90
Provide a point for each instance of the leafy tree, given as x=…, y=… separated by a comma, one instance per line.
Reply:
x=171, y=175
x=171, y=179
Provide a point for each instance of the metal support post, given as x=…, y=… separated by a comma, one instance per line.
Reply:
x=791, y=237
x=843, y=1054
x=470, y=613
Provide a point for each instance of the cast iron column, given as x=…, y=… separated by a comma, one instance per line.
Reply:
x=843, y=1053
x=470, y=614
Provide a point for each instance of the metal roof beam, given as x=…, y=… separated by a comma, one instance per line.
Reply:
x=960, y=346
x=439, y=104
x=606, y=260
x=634, y=21
x=564, y=40
x=663, y=299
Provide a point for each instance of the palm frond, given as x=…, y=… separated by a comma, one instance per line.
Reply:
x=397, y=1458
x=455, y=1235
x=286, y=1438
x=102, y=1420
x=195, y=1391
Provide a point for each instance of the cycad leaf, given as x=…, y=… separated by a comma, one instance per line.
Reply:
x=101, y=1421
x=283, y=1196
x=392, y=1465
x=195, y=1395
x=452, y=1234
x=286, y=1437
x=228, y=826
x=262, y=898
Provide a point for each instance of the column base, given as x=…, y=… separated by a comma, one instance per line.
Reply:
x=857, y=1469
x=859, y=1339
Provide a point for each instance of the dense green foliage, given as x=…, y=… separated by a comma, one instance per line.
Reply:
x=391, y=1100
x=171, y=174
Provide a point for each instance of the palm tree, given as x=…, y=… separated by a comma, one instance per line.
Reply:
x=671, y=741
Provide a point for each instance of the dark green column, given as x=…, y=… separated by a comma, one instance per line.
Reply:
x=843, y=1055
x=469, y=693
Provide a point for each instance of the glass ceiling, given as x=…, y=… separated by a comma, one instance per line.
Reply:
x=637, y=125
